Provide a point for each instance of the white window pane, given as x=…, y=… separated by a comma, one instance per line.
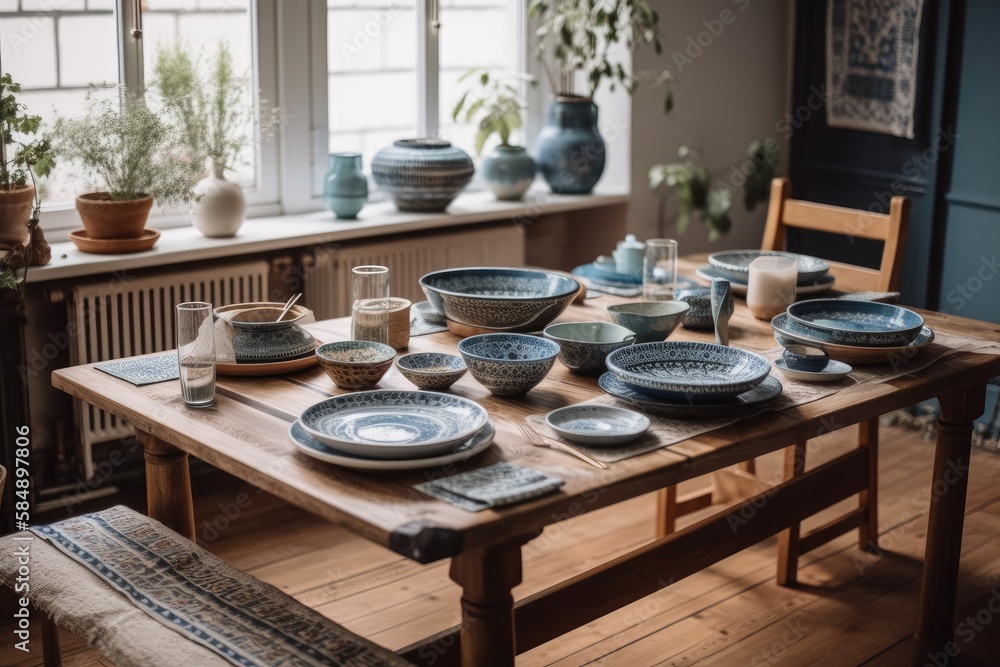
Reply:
x=371, y=56
x=94, y=36
x=28, y=50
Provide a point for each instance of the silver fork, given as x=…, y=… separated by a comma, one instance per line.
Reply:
x=538, y=440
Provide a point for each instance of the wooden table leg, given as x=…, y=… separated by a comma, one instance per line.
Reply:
x=946, y=519
x=168, y=485
x=487, y=578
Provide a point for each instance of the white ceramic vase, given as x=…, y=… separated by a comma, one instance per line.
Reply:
x=220, y=207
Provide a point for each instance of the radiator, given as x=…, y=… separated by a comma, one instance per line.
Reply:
x=327, y=269
x=128, y=315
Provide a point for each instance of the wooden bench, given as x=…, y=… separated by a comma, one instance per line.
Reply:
x=147, y=596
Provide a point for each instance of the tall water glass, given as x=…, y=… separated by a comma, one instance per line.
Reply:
x=771, y=286
x=196, y=353
x=659, y=270
x=370, y=312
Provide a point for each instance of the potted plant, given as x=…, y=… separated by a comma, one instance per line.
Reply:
x=578, y=35
x=212, y=106
x=700, y=201
x=24, y=154
x=133, y=155
x=508, y=170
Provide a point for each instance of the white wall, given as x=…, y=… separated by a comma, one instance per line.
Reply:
x=733, y=91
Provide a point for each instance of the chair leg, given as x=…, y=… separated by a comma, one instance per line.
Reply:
x=788, y=539
x=868, y=499
x=51, y=652
x=666, y=511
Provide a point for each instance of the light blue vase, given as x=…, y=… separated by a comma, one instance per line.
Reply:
x=508, y=171
x=570, y=147
x=346, y=188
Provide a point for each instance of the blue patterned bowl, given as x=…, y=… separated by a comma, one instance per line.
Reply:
x=355, y=364
x=597, y=425
x=805, y=358
x=422, y=175
x=260, y=315
x=652, y=321
x=431, y=370
x=499, y=298
x=585, y=345
x=735, y=264
x=508, y=364
x=687, y=370
x=699, y=313
x=281, y=344
x=863, y=323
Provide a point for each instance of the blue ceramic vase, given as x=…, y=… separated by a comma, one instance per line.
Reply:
x=508, y=171
x=570, y=148
x=422, y=175
x=346, y=188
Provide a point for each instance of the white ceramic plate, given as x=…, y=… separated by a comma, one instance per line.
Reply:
x=707, y=273
x=835, y=370
x=478, y=443
x=597, y=425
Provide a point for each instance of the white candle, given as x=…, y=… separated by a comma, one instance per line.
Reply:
x=772, y=286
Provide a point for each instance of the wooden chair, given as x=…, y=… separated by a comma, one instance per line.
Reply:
x=890, y=228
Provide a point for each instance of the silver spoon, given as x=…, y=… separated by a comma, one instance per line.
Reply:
x=291, y=302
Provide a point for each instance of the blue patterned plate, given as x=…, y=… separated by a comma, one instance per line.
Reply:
x=834, y=370
x=687, y=370
x=735, y=264
x=597, y=425
x=860, y=323
x=724, y=408
x=478, y=443
x=787, y=333
x=822, y=284
x=394, y=424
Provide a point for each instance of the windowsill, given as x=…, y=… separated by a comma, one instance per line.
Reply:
x=186, y=244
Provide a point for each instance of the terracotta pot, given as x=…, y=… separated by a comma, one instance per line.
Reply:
x=15, y=212
x=107, y=218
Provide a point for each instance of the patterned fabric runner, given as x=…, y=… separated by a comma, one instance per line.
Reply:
x=201, y=597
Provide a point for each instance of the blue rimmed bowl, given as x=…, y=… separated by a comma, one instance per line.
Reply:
x=597, y=425
x=508, y=364
x=432, y=370
x=808, y=358
x=735, y=264
x=585, y=345
x=651, y=321
x=355, y=364
x=861, y=323
x=688, y=370
x=499, y=298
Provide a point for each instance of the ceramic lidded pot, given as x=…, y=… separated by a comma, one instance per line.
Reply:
x=570, y=148
x=508, y=171
x=422, y=175
x=345, y=189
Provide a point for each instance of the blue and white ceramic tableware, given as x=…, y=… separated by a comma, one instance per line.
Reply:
x=629, y=255
x=721, y=408
x=280, y=344
x=864, y=323
x=789, y=332
x=831, y=372
x=821, y=284
x=432, y=371
x=355, y=364
x=597, y=425
x=722, y=309
x=699, y=312
x=805, y=358
x=652, y=321
x=508, y=364
x=585, y=345
x=422, y=175
x=735, y=264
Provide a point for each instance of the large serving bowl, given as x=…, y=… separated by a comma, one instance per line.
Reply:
x=355, y=364
x=499, y=298
x=508, y=364
x=735, y=264
x=585, y=345
x=652, y=321
x=431, y=370
x=863, y=323
x=687, y=370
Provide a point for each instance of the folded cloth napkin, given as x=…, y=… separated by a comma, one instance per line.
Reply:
x=492, y=486
x=144, y=370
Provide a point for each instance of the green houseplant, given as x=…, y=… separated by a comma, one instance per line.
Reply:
x=577, y=37
x=24, y=154
x=134, y=156
x=698, y=199
x=508, y=170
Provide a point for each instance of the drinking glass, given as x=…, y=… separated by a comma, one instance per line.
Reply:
x=196, y=353
x=771, y=287
x=370, y=313
x=659, y=270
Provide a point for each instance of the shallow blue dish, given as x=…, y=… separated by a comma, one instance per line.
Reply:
x=499, y=298
x=723, y=408
x=508, y=364
x=735, y=264
x=864, y=323
x=687, y=370
x=597, y=425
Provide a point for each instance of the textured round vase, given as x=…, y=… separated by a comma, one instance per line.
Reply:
x=422, y=175
x=220, y=207
x=570, y=148
x=346, y=188
x=508, y=171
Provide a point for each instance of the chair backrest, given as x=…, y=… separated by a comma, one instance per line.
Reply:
x=890, y=228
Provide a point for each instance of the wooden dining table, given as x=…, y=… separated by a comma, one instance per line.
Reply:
x=246, y=435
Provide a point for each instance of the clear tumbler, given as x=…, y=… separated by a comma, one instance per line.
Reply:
x=370, y=312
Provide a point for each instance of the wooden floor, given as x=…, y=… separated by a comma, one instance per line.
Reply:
x=850, y=609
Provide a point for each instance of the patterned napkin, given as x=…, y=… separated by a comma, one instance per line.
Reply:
x=492, y=486
x=145, y=370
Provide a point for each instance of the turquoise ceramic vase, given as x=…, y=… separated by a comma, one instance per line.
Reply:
x=346, y=188
x=570, y=148
x=508, y=171
x=422, y=175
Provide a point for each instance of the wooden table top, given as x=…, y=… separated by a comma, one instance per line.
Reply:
x=246, y=435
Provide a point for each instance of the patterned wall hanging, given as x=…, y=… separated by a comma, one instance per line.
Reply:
x=871, y=64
